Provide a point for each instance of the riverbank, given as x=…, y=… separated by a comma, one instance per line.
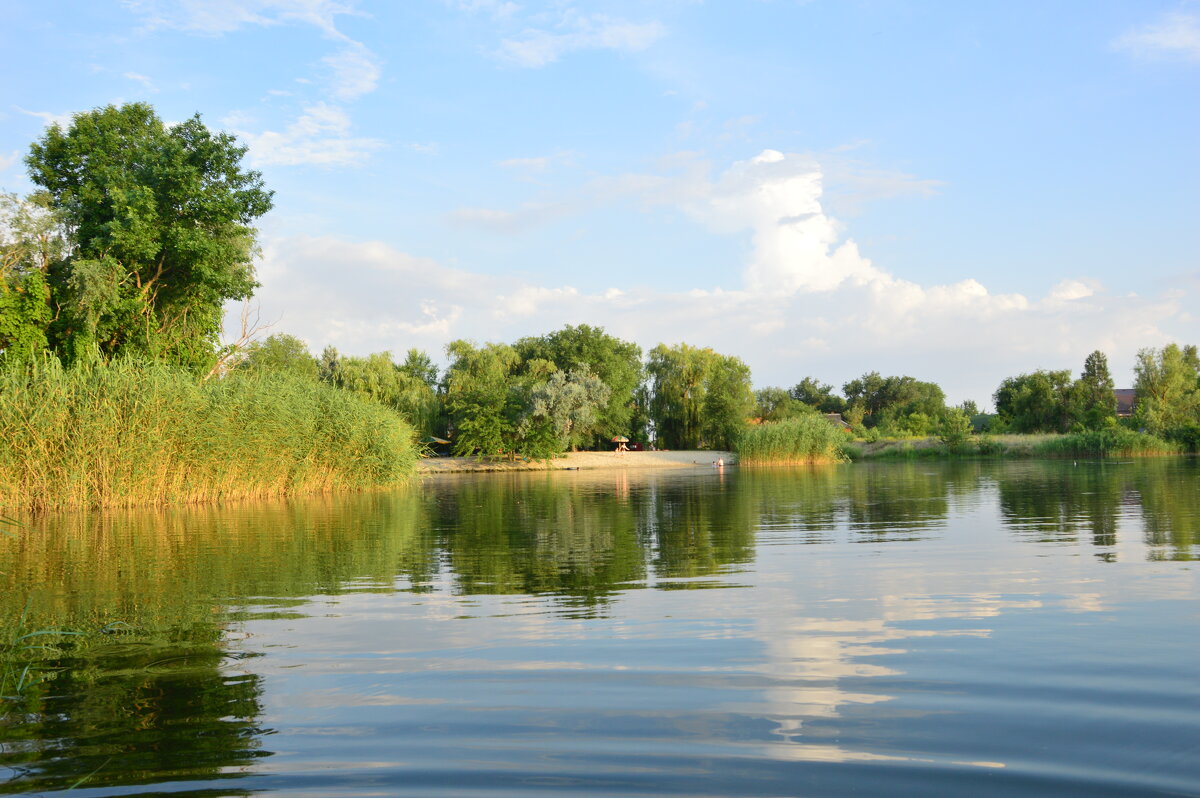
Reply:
x=573, y=461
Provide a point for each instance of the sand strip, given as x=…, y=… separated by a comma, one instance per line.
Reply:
x=578, y=461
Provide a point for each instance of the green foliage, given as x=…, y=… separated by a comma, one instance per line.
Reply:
x=480, y=397
x=31, y=238
x=377, y=377
x=560, y=412
x=1037, y=402
x=891, y=400
x=955, y=429
x=1109, y=442
x=160, y=218
x=1167, y=385
x=700, y=398
x=817, y=395
x=802, y=440
x=281, y=353
x=132, y=433
x=617, y=364
x=776, y=404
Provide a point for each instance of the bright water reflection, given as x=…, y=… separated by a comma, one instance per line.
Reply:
x=932, y=629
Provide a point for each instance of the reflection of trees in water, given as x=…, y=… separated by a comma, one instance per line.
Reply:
x=150, y=691
x=1055, y=501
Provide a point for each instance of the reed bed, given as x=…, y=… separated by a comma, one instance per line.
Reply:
x=805, y=440
x=130, y=433
x=1113, y=442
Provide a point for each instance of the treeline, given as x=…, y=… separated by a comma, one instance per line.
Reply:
x=575, y=388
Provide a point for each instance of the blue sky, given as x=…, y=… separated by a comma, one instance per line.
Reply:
x=957, y=191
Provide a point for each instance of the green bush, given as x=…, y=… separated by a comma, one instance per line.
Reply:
x=801, y=440
x=1108, y=442
x=132, y=433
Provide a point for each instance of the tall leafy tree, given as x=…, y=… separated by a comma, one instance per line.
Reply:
x=700, y=398
x=1037, y=402
x=1167, y=386
x=1093, y=400
x=161, y=219
x=817, y=394
x=32, y=237
x=617, y=363
x=558, y=409
x=480, y=398
x=281, y=353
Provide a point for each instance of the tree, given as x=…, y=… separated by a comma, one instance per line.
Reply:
x=1166, y=388
x=281, y=353
x=818, y=395
x=776, y=404
x=1093, y=400
x=379, y=378
x=617, y=363
x=684, y=414
x=558, y=409
x=903, y=402
x=479, y=396
x=161, y=220
x=419, y=365
x=1037, y=402
x=31, y=239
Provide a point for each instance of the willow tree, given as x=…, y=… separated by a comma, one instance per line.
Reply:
x=700, y=398
x=161, y=232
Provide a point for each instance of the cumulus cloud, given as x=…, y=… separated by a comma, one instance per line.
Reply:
x=537, y=47
x=807, y=303
x=1173, y=35
x=319, y=137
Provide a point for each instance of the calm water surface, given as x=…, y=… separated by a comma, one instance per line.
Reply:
x=989, y=629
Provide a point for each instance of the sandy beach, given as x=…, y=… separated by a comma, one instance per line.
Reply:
x=578, y=461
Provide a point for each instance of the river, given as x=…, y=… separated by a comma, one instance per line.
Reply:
x=934, y=629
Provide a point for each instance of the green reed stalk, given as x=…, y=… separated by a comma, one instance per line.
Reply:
x=796, y=441
x=128, y=433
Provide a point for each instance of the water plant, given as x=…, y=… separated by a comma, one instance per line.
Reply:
x=808, y=439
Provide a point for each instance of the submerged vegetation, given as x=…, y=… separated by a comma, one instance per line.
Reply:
x=130, y=433
x=803, y=440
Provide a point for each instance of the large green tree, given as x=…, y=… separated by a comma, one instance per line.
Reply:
x=1036, y=402
x=897, y=400
x=1093, y=399
x=1167, y=385
x=700, y=398
x=617, y=363
x=161, y=219
x=480, y=397
x=31, y=238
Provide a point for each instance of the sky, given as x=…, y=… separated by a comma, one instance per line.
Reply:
x=960, y=192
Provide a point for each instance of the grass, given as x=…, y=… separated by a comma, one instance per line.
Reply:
x=804, y=440
x=1112, y=442
x=128, y=434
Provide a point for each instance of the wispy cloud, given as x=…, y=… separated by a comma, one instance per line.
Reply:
x=49, y=117
x=215, y=17
x=537, y=47
x=1174, y=35
x=807, y=301
x=145, y=82
x=354, y=71
x=6, y=161
x=320, y=137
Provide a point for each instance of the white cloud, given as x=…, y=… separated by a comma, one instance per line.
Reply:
x=7, y=161
x=49, y=117
x=1174, y=35
x=214, y=17
x=537, y=47
x=320, y=137
x=146, y=82
x=807, y=303
x=354, y=72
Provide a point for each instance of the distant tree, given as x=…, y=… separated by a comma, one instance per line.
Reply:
x=568, y=401
x=1037, y=402
x=970, y=408
x=1167, y=387
x=894, y=400
x=1093, y=399
x=776, y=404
x=419, y=365
x=480, y=399
x=684, y=414
x=955, y=427
x=818, y=395
x=161, y=231
x=378, y=377
x=281, y=353
x=32, y=238
x=617, y=363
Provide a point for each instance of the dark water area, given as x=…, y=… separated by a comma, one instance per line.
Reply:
x=962, y=629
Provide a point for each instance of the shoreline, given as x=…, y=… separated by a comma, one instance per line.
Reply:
x=578, y=461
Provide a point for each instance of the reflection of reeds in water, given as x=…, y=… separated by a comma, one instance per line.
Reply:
x=133, y=433
x=804, y=440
